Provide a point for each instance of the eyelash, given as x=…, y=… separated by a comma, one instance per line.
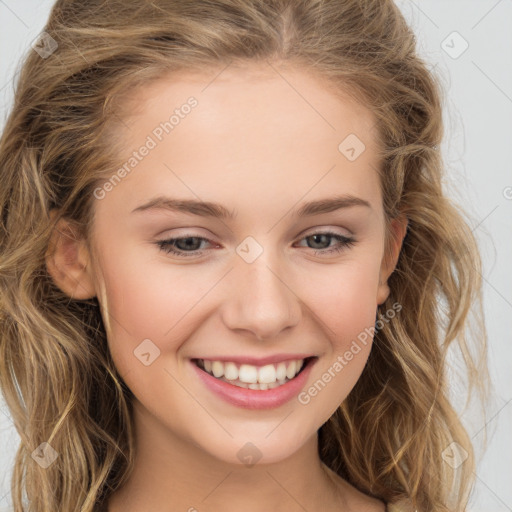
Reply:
x=168, y=245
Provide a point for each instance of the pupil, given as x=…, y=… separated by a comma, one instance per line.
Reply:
x=188, y=242
x=317, y=236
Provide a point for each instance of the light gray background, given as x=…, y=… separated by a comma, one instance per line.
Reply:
x=478, y=154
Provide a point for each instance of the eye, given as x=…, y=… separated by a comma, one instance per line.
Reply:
x=186, y=246
x=189, y=245
x=344, y=242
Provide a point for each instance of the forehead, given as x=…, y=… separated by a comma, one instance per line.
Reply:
x=251, y=93
x=254, y=130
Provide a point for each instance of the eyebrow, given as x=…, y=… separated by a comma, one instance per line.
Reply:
x=215, y=210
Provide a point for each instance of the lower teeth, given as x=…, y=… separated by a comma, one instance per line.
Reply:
x=256, y=385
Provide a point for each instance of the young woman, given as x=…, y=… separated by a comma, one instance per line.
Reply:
x=230, y=276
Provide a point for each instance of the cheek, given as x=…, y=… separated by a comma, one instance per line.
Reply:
x=151, y=300
x=344, y=306
x=347, y=313
x=148, y=297
x=344, y=299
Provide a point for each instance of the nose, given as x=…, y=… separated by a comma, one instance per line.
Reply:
x=260, y=300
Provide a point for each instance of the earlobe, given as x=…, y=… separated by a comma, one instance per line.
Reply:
x=389, y=261
x=67, y=262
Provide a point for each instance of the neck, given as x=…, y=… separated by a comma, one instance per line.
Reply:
x=171, y=473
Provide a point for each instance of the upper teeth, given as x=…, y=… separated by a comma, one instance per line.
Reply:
x=253, y=374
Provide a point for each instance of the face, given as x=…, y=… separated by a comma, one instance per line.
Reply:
x=293, y=271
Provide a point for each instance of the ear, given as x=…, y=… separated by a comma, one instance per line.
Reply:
x=398, y=230
x=68, y=261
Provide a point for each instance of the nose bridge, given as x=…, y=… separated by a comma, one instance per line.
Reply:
x=259, y=299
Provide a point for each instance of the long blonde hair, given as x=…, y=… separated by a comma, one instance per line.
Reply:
x=58, y=379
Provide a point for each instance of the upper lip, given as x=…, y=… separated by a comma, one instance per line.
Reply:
x=257, y=361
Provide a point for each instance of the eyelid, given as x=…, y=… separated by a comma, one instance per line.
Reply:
x=326, y=229
x=307, y=232
x=344, y=242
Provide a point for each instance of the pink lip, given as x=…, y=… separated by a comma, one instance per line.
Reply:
x=258, y=361
x=255, y=398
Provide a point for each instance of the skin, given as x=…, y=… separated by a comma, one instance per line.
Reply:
x=261, y=148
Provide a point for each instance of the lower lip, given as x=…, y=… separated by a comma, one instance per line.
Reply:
x=255, y=398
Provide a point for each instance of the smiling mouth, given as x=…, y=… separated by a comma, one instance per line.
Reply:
x=249, y=376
